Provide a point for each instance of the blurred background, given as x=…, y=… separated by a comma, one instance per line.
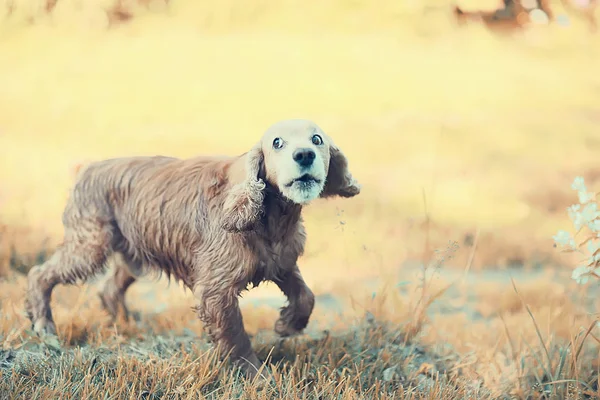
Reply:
x=482, y=125
x=465, y=126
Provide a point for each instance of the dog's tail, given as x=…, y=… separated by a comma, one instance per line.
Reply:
x=77, y=168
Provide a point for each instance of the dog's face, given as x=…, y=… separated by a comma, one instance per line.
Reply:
x=296, y=159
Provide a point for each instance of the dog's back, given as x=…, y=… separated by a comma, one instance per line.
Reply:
x=101, y=184
x=153, y=206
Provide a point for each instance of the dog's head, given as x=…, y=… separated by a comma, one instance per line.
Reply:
x=297, y=159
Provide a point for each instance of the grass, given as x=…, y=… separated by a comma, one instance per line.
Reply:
x=524, y=351
x=172, y=366
x=490, y=130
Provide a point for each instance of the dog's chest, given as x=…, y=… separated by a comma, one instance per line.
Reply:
x=277, y=256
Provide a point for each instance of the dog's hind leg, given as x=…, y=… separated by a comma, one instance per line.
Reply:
x=81, y=256
x=113, y=292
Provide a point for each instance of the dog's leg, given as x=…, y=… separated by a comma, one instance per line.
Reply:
x=294, y=317
x=113, y=293
x=220, y=313
x=81, y=256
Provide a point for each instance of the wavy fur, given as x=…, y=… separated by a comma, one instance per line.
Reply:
x=217, y=224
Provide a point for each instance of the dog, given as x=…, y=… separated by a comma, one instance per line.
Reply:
x=217, y=224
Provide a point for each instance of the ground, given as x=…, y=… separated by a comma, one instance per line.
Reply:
x=466, y=142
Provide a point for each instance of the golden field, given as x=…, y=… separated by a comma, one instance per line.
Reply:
x=457, y=135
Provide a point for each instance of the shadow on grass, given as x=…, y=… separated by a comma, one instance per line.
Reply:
x=370, y=360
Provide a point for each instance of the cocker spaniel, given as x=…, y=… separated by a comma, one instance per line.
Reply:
x=216, y=224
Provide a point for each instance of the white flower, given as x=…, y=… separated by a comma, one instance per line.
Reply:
x=595, y=225
x=564, y=238
x=575, y=216
x=572, y=210
x=592, y=261
x=579, y=184
x=593, y=246
x=590, y=213
x=587, y=216
x=585, y=197
x=580, y=274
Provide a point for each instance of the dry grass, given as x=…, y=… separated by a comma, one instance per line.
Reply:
x=371, y=349
x=489, y=130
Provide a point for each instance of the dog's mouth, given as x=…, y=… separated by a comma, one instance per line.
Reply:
x=304, y=179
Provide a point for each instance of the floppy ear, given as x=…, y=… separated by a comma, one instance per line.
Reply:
x=244, y=202
x=339, y=181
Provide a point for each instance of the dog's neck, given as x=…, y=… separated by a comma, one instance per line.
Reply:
x=279, y=212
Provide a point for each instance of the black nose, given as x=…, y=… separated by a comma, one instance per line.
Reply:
x=304, y=157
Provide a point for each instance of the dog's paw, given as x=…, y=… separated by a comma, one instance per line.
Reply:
x=44, y=327
x=284, y=329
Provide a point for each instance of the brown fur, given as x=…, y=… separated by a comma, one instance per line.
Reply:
x=215, y=223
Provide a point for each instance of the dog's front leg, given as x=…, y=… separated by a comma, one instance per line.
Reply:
x=220, y=313
x=294, y=317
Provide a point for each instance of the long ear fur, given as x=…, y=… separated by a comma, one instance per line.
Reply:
x=244, y=203
x=339, y=180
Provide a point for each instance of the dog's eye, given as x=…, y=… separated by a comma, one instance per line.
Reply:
x=317, y=140
x=277, y=143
